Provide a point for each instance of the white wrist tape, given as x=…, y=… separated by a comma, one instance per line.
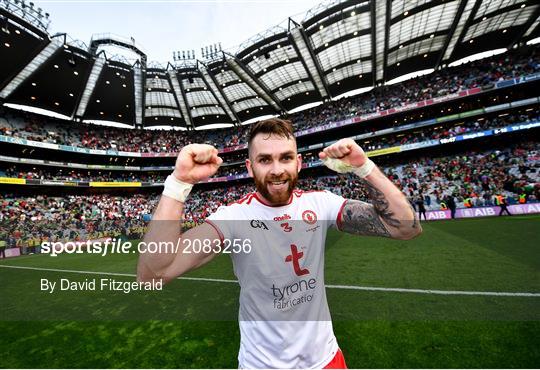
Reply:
x=365, y=169
x=341, y=167
x=176, y=189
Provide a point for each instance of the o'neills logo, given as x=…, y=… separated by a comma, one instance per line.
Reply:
x=282, y=218
x=283, y=296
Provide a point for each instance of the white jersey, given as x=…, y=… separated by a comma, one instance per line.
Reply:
x=284, y=317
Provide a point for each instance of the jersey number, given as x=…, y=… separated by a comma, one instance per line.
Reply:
x=286, y=227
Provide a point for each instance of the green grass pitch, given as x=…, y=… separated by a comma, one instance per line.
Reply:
x=193, y=323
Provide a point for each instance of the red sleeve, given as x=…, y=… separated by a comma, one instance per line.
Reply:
x=217, y=230
x=339, y=215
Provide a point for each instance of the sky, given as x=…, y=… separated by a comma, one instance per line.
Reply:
x=160, y=27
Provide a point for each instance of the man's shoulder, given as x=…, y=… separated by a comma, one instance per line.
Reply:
x=246, y=200
x=236, y=210
x=317, y=194
x=301, y=192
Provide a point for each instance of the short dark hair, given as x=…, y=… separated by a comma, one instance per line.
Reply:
x=272, y=126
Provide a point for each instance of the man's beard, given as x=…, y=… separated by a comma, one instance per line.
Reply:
x=276, y=198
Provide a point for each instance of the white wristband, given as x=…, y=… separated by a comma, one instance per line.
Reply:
x=342, y=167
x=176, y=189
x=365, y=169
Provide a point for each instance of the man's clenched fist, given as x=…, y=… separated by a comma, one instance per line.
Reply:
x=196, y=162
x=347, y=151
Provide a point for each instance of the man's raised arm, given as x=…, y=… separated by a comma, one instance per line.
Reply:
x=389, y=214
x=166, y=260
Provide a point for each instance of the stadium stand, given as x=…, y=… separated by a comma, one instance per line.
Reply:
x=481, y=73
x=480, y=176
x=439, y=132
x=457, y=134
x=389, y=124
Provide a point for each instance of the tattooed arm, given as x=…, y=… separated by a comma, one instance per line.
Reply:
x=389, y=214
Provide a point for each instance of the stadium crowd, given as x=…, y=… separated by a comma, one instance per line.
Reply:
x=472, y=179
x=56, y=174
x=433, y=132
x=442, y=131
x=28, y=221
x=480, y=73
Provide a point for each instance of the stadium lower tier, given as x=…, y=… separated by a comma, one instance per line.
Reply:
x=471, y=180
x=29, y=170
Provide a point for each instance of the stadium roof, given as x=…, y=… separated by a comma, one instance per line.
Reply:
x=338, y=47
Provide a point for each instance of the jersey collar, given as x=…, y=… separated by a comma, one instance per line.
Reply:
x=261, y=200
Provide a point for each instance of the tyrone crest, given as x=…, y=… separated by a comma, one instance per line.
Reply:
x=309, y=217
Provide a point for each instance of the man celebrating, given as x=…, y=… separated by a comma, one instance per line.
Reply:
x=284, y=316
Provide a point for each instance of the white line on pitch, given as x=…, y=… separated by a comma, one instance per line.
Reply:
x=350, y=287
x=112, y=273
x=434, y=291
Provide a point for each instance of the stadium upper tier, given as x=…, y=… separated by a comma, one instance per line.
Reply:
x=482, y=73
x=338, y=47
